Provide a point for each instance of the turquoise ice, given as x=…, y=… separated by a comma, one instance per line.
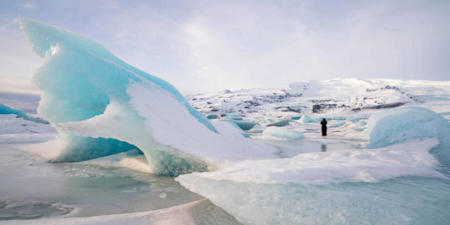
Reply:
x=101, y=105
x=405, y=124
x=19, y=113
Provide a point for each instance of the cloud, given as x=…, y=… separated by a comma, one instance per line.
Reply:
x=211, y=45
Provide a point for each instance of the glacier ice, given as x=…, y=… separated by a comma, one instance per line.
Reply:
x=242, y=124
x=100, y=105
x=19, y=113
x=8, y=110
x=280, y=123
x=409, y=123
x=212, y=117
x=295, y=117
x=235, y=116
x=400, y=125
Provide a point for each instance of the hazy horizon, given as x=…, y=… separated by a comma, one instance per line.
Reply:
x=202, y=46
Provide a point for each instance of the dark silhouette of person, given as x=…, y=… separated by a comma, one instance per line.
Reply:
x=324, y=127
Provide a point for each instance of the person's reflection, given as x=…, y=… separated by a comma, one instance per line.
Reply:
x=323, y=147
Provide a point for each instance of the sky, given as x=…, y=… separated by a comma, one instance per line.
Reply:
x=207, y=46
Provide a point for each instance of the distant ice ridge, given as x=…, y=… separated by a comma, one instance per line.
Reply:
x=317, y=98
x=100, y=105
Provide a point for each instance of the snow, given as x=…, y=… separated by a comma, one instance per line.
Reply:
x=407, y=159
x=344, y=96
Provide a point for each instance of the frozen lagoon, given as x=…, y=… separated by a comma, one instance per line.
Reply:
x=105, y=190
x=101, y=193
x=85, y=193
x=377, y=166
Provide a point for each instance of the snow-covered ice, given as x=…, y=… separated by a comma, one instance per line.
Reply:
x=257, y=154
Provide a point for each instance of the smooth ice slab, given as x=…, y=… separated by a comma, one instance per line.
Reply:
x=406, y=159
x=282, y=133
x=393, y=185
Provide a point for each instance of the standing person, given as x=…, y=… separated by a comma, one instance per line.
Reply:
x=324, y=127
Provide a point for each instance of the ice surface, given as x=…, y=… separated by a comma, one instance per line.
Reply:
x=411, y=158
x=400, y=125
x=235, y=116
x=244, y=125
x=282, y=133
x=281, y=123
x=101, y=78
x=212, y=116
x=341, y=96
x=408, y=123
x=100, y=105
x=33, y=188
x=26, y=102
x=196, y=212
x=400, y=201
x=8, y=110
x=340, y=187
x=309, y=119
x=15, y=129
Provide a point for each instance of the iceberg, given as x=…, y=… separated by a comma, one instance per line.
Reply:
x=235, y=116
x=242, y=124
x=409, y=123
x=212, y=117
x=101, y=105
x=280, y=123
